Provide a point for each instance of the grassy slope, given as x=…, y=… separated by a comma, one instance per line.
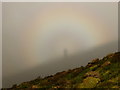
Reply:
x=104, y=73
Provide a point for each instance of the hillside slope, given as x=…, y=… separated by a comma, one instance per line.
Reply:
x=99, y=73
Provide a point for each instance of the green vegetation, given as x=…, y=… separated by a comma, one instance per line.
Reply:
x=99, y=73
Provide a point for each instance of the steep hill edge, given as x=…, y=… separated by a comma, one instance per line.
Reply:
x=99, y=73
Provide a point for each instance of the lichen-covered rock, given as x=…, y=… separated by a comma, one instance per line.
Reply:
x=89, y=82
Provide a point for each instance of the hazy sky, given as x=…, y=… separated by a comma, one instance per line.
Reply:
x=34, y=33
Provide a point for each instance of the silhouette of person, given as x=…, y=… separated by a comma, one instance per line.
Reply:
x=65, y=53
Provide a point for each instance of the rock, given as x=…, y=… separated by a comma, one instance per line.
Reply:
x=14, y=86
x=35, y=86
x=106, y=63
x=92, y=74
x=89, y=82
x=94, y=61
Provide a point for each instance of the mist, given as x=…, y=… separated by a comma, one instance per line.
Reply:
x=40, y=39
